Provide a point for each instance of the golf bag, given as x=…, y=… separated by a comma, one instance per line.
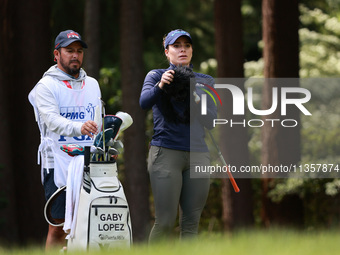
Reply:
x=103, y=218
x=97, y=214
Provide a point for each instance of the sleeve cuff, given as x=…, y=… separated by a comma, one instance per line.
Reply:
x=157, y=88
x=78, y=127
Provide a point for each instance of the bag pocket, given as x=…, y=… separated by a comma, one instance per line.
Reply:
x=109, y=224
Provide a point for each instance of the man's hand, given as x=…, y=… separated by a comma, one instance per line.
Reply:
x=89, y=128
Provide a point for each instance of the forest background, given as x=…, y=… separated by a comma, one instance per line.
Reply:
x=232, y=39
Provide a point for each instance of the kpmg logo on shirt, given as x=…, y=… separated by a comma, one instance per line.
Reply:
x=77, y=112
x=73, y=112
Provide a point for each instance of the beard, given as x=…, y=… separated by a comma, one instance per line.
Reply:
x=68, y=67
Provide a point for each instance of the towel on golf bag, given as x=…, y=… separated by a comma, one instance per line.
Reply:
x=74, y=183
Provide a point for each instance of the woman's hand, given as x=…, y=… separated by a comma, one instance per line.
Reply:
x=167, y=78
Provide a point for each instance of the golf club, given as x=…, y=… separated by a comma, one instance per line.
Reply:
x=231, y=178
x=103, y=114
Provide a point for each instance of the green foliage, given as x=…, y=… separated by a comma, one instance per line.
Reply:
x=320, y=142
x=320, y=134
x=319, y=57
x=209, y=67
x=109, y=82
x=320, y=145
x=333, y=187
x=320, y=44
x=319, y=198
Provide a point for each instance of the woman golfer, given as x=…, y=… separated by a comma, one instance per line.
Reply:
x=178, y=142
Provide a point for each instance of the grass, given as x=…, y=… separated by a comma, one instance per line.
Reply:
x=245, y=242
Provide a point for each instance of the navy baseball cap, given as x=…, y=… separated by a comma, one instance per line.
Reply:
x=67, y=37
x=174, y=35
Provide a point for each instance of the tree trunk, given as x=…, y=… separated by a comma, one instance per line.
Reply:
x=280, y=145
x=92, y=37
x=137, y=182
x=9, y=228
x=25, y=53
x=233, y=140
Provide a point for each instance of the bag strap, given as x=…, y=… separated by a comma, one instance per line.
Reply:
x=48, y=206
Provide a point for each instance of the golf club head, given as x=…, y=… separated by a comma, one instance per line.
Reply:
x=98, y=141
x=118, y=145
x=114, y=122
x=110, y=143
x=99, y=151
x=126, y=118
x=96, y=152
x=112, y=151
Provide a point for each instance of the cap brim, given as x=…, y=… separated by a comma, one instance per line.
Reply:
x=174, y=39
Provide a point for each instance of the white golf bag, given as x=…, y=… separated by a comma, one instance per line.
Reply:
x=98, y=217
x=103, y=218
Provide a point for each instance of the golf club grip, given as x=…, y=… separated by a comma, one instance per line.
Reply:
x=231, y=178
x=233, y=182
x=87, y=156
